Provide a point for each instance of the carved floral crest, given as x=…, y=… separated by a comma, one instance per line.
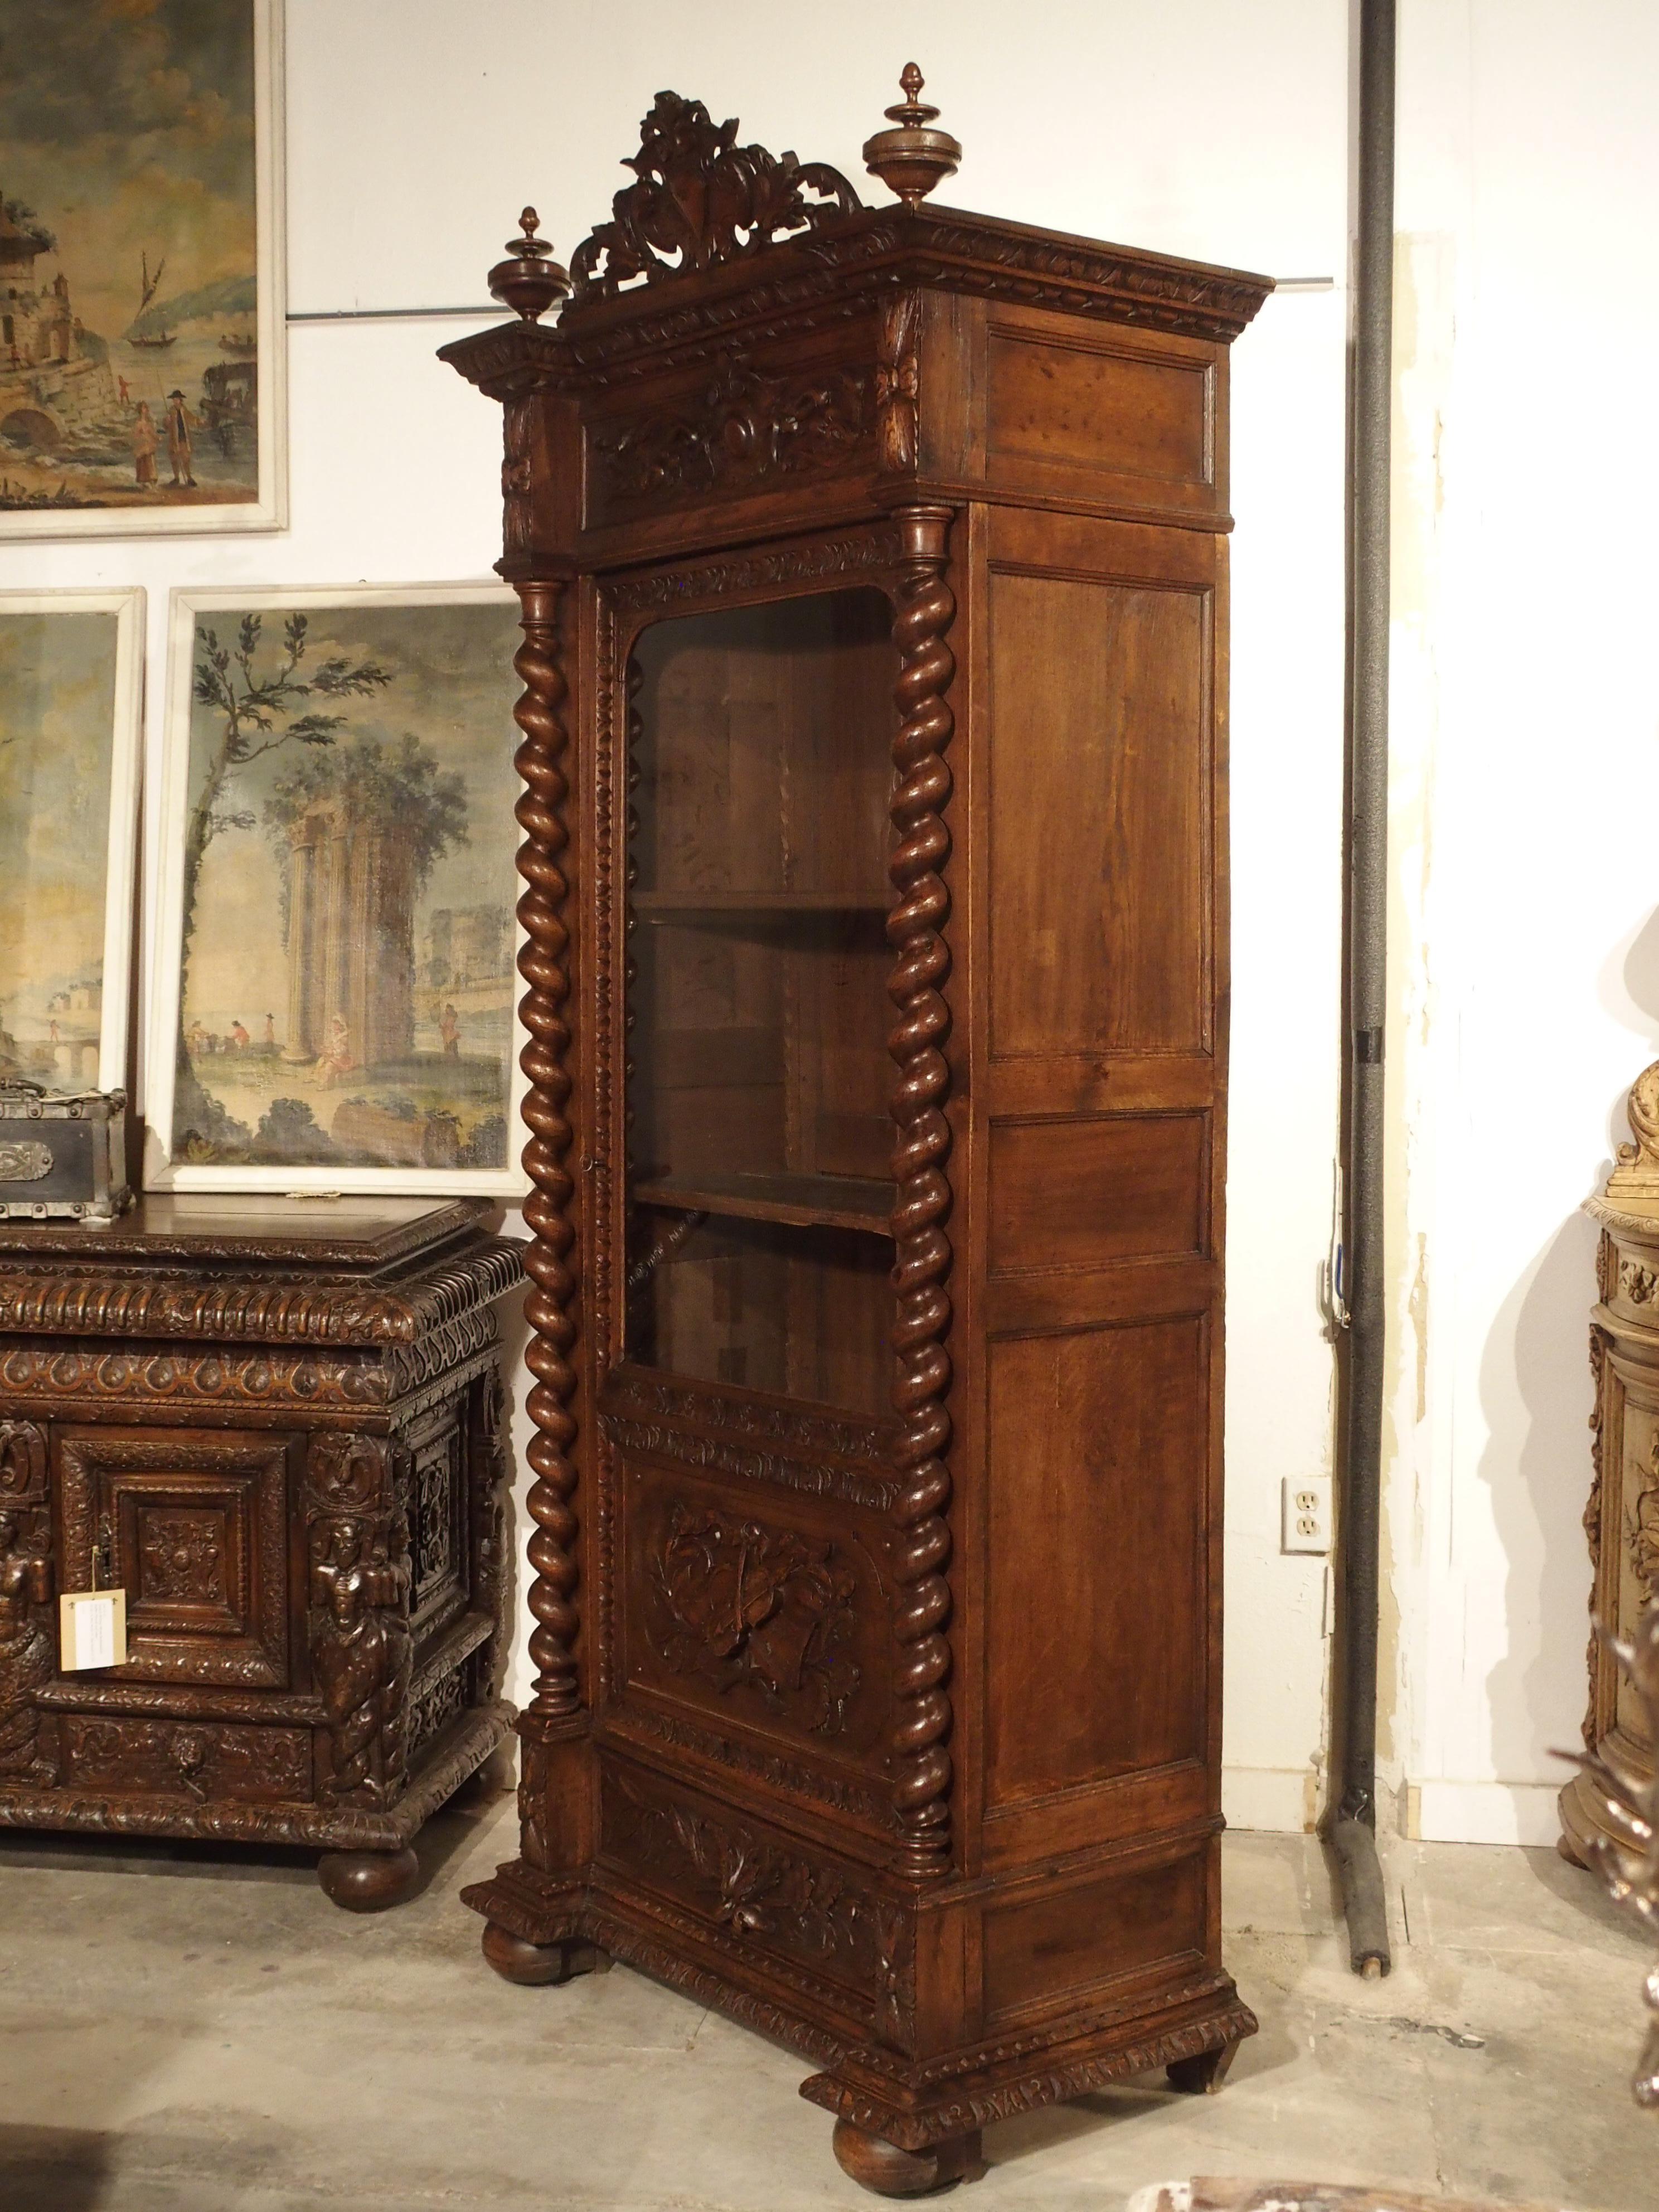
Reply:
x=700, y=200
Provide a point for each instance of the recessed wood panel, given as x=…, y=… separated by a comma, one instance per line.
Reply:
x=1046, y=1950
x=758, y=1611
x=192, y=1525
x=1099, y=817
x=1091, y=407
x=1082, y=1194
x=1097, y=1472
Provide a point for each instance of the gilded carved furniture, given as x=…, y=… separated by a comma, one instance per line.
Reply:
x=1621, y=1517
x=872, y=564
x=278, y=1426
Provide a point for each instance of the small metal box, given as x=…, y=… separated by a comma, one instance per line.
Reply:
x=62, y=1157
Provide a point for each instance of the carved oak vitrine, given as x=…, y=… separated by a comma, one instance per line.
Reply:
x=278, y=1426
x=872, y=564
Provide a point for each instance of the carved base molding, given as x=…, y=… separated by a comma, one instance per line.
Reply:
x=912, y=2103
x=453, y=1757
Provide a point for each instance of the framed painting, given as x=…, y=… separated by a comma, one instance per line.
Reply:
x=142, y=338
x=71, y=711
x=335, y=979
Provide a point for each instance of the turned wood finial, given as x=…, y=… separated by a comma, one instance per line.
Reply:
x=529, y=281
x=911, y=158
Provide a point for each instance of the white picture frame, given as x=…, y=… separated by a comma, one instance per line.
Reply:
x=124, y=772
x=268, y=509
x=492, y=866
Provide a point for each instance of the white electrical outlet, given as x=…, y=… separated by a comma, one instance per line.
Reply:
x=1306, y=1505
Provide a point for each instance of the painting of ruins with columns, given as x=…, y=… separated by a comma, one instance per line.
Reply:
x=337, y=1009
x=143, y=337
x=71, y=686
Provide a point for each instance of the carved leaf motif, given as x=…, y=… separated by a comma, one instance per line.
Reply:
x=700, y=200
x=898, y=382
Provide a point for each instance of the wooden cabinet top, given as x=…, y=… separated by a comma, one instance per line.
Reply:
x=745, y=345
x=354, y=1271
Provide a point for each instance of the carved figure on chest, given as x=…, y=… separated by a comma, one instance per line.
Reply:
x=361, y=1654
x=25, y=1647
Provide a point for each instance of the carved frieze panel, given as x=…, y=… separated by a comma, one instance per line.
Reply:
x=203, y=1761
x=727, y=576
x=757, y=1894
x=156, y=1382
x=747, y=428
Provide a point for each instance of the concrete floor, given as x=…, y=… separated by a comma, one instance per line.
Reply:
x=181, y=2035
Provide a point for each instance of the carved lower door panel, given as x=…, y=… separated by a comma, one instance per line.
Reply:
x=750, y=1618
x=192, y=1524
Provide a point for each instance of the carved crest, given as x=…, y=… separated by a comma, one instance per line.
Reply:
x=700, y=200
x=762, y=1607
x=25, y=1162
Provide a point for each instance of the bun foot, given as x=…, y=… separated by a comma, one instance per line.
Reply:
x=1203, y=2075
x=540, y=1965
x=368, y=1881
x=1569, y=1851
x=876, y=2165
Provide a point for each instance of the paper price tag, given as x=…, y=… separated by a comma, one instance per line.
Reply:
x=93, y=1629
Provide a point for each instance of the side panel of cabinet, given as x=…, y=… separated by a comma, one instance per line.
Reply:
x=1098, y=1096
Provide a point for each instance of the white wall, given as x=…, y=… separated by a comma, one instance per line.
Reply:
x=417, y=131
x=1525, y=957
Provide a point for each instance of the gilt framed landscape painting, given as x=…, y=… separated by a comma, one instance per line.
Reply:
x=71, y=705
x=335, y=995
x=142, y=338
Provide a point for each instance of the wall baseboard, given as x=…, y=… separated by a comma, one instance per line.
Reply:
x=1279, y=1800
x=1483, y=1812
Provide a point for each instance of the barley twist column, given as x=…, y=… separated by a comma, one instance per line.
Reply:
x=922, y=1201
x=544, y=964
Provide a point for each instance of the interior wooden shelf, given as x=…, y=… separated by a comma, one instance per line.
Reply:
x=810, y=1202
x=720, y=902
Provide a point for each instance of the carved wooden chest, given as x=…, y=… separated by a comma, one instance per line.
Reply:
x=875, y=606
x=277, y=1426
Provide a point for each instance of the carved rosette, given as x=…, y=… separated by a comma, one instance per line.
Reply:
x=544, y=964
x=922, y=1201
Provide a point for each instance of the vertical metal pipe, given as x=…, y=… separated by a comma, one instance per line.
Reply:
x=1354, y=1832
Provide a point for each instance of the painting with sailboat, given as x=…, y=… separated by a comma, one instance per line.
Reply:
x=141, y=328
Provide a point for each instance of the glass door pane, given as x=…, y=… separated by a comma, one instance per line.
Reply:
x=759, y=1134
